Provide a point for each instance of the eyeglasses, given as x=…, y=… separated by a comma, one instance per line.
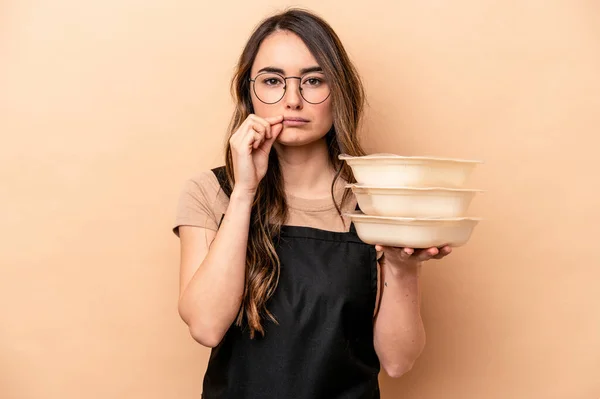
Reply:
x=270, y=87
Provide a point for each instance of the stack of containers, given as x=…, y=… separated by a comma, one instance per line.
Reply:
x=414, y=202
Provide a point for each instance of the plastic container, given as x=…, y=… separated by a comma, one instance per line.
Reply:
x=413, y=202
x=401, y=171
x=413, y=232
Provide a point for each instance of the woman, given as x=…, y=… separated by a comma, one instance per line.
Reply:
x=273, y=276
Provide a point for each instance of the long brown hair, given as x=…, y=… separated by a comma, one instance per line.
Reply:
x=269, y=210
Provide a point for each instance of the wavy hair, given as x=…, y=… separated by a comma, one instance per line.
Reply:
x=269, y=209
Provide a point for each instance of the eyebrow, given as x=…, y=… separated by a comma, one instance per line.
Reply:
x=282, y=72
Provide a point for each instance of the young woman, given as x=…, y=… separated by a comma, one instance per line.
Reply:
x=273, y=276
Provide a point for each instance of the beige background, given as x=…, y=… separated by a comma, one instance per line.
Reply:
x=107, y=106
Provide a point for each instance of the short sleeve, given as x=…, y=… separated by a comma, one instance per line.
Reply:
x=201, y=203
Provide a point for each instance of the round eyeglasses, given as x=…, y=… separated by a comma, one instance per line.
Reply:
x=270, y=87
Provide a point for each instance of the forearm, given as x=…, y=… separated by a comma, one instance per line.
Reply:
x=211, y=301
x=399, y=335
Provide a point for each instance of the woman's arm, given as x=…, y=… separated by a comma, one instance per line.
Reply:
x=399, y=335
x=213, y=265
x=212, y=274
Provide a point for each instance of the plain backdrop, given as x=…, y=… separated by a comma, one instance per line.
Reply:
x=106, y=107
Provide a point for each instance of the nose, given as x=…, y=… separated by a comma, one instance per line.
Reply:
x=292, y=98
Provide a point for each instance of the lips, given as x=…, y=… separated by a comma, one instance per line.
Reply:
x=295, y=119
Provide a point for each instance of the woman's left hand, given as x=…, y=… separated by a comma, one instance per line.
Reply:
x=410, y=258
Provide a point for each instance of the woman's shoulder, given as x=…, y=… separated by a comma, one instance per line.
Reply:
x=205, y=178
x=203, y=183
x=202, y=201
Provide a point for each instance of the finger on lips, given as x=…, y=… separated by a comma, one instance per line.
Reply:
x=266, y=123
x=273, y=120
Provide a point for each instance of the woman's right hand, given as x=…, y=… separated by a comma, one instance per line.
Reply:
x=250, y=147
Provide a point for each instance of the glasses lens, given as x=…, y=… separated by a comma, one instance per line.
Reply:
x=315, y=88
x=269, y=87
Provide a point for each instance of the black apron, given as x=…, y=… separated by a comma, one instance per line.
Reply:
x=323, y=345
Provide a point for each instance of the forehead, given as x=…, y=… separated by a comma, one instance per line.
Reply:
x=283, y=50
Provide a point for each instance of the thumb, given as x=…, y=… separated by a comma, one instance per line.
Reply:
x=275, y=131
x=274, y=119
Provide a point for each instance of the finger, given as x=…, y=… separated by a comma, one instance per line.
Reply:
x=244, y=135
x=242, y=138
x=253, y=137
x=444, y=251
x=258, y=140
x=427, y=254
x=256, y=127
x=272, y=122
x=238, y=135
x=263, y=123
x=275, y=131
x=406, y=253
x=249, y=130
x=274, y=119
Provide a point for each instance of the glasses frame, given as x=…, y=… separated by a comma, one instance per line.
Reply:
x=285, y=79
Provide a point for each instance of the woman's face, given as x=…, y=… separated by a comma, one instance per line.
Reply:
x=285, y=53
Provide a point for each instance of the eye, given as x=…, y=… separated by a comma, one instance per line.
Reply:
x=313, y=81
x=271, y=81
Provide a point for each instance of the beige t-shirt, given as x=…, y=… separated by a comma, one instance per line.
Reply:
x=202, y=204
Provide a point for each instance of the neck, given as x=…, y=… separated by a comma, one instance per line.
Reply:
x=307, y=171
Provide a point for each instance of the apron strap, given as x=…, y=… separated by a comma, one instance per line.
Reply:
x=221, y=175
x=352, y=228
